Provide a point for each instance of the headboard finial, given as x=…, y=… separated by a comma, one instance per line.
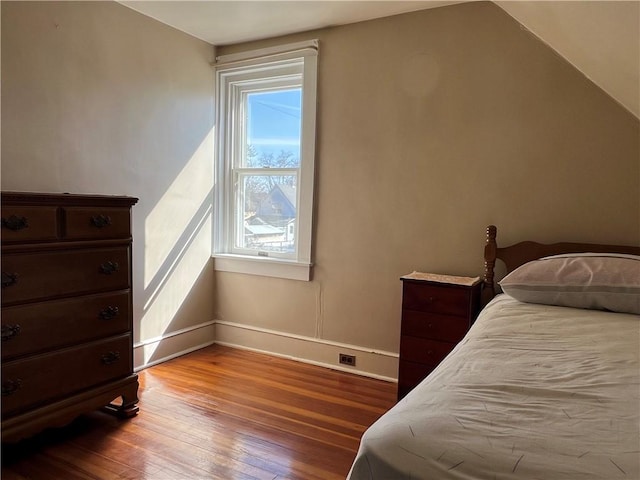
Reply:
x=491, y=233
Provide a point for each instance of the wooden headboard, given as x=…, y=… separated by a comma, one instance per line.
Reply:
x=515, y=255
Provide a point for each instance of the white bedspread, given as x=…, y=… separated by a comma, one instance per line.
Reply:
x=532, y=392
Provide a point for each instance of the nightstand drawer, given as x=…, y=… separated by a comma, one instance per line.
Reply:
x=434, y=326
x=422, y=350
x=448, y=300
x=410, y=374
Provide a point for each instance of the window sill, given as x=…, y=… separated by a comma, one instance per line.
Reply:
x=266, y=267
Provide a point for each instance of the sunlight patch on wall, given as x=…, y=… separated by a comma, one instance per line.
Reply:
x=166, y=224
x=177, y=245
x=165, y=302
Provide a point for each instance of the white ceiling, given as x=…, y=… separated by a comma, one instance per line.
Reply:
x=226, y=22
x=600, y=38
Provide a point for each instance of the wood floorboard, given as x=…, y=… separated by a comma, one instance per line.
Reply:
x=218, y=413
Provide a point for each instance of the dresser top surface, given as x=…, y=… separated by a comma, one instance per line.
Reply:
x=65, y=199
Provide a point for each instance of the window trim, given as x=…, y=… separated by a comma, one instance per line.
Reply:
x=266, y=267
x=247, y=65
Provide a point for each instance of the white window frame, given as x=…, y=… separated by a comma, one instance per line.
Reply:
x=236, y=75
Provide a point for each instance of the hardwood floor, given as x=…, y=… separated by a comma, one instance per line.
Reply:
x=218, y=413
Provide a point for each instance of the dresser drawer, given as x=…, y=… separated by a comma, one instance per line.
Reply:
x=26, y=224
x=434, y=326
x=436, y=299
x=422, y=350
x=83, y=223
x=42, y=378
x=44, y=275
x=37, y=327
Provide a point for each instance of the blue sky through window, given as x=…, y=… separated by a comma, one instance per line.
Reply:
x=273, y=123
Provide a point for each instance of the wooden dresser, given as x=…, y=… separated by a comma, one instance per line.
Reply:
x=66, y=309
x=437, y=311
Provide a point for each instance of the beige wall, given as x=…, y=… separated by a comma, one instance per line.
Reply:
x=431, y=126
x=97, y=98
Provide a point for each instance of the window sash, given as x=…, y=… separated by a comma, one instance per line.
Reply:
x=238, y=134
x=238, y=227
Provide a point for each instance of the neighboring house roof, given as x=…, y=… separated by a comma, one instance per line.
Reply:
x=289, y=192
x=280, y=203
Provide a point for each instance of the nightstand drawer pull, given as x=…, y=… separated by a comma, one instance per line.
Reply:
x=109, y=268
x=110, y=358
x=10, y=331
x=109, y=312
x=100, y=221
x=10, y=386
x=15, y=223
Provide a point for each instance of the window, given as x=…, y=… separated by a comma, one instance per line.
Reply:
x=265, y=160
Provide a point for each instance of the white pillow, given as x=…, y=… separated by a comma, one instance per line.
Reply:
x=599, y=281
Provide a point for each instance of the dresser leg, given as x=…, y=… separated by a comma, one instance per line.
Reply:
x=128, y=407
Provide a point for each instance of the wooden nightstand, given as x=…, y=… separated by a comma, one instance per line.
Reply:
x=437, y=311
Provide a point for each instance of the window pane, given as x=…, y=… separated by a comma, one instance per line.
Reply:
x=266, y=213
x=273, y=128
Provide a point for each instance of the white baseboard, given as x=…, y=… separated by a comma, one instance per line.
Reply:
x=370, y=363
x=171, y=345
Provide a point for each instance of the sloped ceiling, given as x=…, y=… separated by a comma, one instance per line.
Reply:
x=600, y=38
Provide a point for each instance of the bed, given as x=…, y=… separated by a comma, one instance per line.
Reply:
x=545, y=385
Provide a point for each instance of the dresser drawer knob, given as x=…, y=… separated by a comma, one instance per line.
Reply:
x=429, y=325
x=10, y=331
x=10, y=386
x=430, y=352
x=15, y=223
x=108, y=268
x=9, y=279
x=109, y=312
x=100, y=221
x=110, y=358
